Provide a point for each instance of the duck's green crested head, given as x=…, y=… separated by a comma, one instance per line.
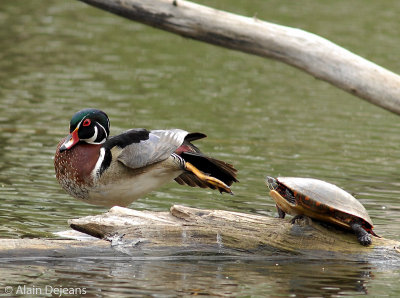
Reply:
x=91, y=126
x=91, y=114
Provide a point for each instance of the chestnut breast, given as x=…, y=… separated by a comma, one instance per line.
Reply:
x=73, y=167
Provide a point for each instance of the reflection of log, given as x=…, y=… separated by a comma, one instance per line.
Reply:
x=311, y=53
x=190, y=230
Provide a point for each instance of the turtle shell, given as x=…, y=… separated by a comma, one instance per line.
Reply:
x=324, y=195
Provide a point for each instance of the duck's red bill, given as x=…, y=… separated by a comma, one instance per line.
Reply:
x=71, y=140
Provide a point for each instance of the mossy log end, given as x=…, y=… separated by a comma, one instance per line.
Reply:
x=191, y=230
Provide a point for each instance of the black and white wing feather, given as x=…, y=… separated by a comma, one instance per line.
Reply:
x=159, y=145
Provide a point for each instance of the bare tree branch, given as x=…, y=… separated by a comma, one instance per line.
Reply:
x=306, y=51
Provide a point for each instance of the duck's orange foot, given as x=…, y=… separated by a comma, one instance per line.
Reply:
x=210, y=181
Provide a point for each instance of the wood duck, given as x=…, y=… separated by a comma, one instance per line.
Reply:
x=110, y=171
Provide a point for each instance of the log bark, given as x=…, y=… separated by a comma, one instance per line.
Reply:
x=311, y=53
x=20, y=249
x=190, y=232
x=186, y=230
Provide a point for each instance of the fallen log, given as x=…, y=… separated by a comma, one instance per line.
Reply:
x=189, y=232
x=22, y=249
x=311, y=53
x=192, y=231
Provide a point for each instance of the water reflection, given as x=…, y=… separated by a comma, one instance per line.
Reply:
x=195, y=276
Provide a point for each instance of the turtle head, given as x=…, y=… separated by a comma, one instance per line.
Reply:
x=284, y=198
x=90, y=126
x=271, y=183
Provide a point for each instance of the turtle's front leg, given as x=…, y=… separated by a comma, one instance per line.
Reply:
x=362, y=235
x=281, y=213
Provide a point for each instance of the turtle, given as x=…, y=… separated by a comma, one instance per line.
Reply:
x=322, y=201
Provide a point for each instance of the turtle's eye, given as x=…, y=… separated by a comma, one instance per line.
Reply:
x=86, y=122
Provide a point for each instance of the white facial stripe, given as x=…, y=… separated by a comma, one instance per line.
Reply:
x=79, y=124
x=93, y=138
x=105, y=132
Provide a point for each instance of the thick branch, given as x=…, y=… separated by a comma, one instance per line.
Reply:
x=188, y=231
x=198, y=231
x=308, y=52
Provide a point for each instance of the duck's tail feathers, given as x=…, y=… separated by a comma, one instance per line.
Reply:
x=211, y=168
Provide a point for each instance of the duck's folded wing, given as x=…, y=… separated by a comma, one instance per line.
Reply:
x=158, y=146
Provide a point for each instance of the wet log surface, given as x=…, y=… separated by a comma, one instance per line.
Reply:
x=186, y=231
x=22, y=249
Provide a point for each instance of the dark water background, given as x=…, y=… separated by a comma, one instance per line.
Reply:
x=267, y=118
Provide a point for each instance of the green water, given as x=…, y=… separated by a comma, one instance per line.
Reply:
x=267, y=118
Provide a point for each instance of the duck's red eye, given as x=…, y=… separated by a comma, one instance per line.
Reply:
x=86, y=122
